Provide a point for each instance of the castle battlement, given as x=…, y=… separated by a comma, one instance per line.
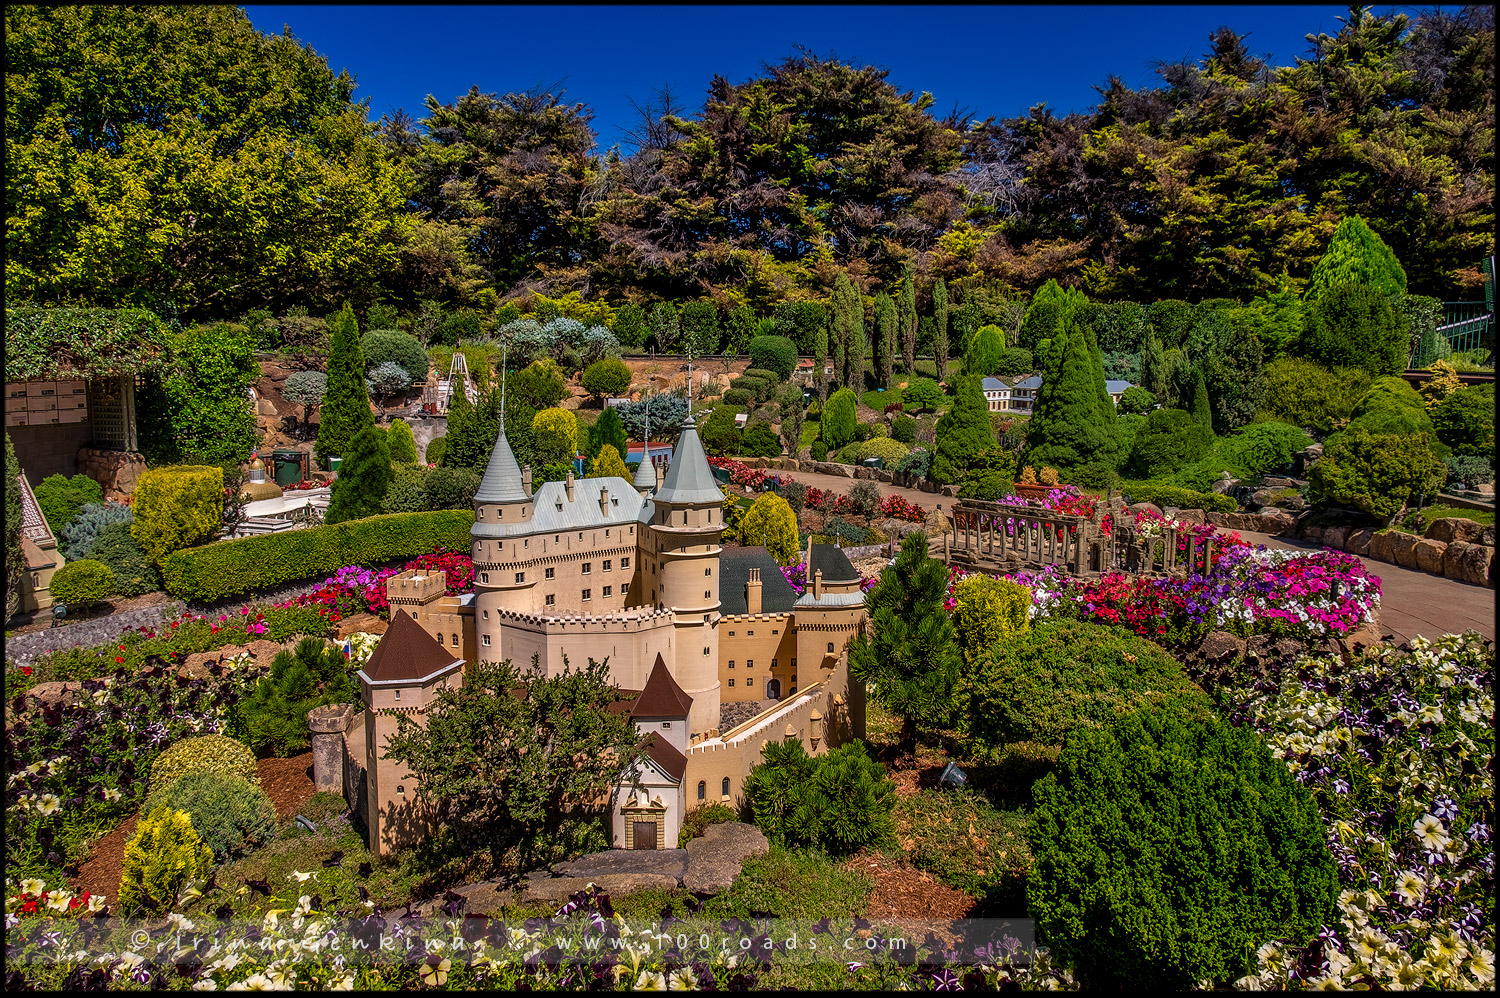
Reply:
x=416, y=586
x=627, y=620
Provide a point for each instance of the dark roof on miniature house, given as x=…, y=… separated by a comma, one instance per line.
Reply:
x=407, y=653
x=833, y=562
x=776, y=594
x=662, y=697
x=672, y=762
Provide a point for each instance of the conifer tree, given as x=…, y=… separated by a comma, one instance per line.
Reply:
x=608, y=431
x=770, y=521
x=346, y=404
x=906, y=319
x=940, y=328
x=1153, y=367
x=884, y=340
x=1356, y=255
x=962, y=432
x=839, y=419
x=1068, y=429
x=1202, y=414
x=859, y=348
x=847, y=321
x=364, y=477
x=609, y=463
x=402, y=444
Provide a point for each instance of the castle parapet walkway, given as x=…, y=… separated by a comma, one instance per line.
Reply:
x=994, y=538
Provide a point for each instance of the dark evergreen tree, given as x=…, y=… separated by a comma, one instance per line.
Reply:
x=15, y=561
x=846, y=322
x=1202, y=414
x=963, y=431
x=940, y=328
x=364, y=477
x=346, y=404
x=885, y=339
x=1067, y=429
x=1153, y=364
x=1354, y=325
x=608, y=429
x=906, y=319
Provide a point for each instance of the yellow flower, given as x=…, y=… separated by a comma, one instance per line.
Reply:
x=1410, y=886
x=435, y=973
x=1482, y=965
x=650, y=981
x=33, y=886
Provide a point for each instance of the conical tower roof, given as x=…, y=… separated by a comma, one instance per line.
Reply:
x=645, y=472
x=689, y=478
x=502, y=476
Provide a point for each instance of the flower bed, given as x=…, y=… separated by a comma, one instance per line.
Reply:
x=755, y=479
x=796, y=577
x=353, y=589
x=1398, y=749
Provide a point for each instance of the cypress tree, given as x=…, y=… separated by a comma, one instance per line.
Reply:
x=402, y=444
x=460, y=415
x=940, y=328
x=1067, y=429
x=847, y=320
x=608, y=431
x=1153, y=368
x=1202, y=414
x=906, y=319
x=1108, y=415
x=346, y=404
x=859, y=348
x=1356, y=255
x=885, y=338
x=364, y=478
x=985, y=353
x=962, y=432
x=839, y=419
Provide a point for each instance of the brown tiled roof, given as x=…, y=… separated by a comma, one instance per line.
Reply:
x=662, y=697
x=623, y=702
x=406, y=652
x=673, y=762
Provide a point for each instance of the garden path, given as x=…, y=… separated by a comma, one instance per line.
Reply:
x=838, y=483
x=1411, y=602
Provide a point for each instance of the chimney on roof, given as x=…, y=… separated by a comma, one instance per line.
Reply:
x=568, y=486
x=752, y=592
x=818, y=584
x=604, y=502
x=661, y=472
x=526, y=479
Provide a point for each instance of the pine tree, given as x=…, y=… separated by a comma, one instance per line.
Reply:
x=1153, y=368
x=909, y=655
x=906, y=319
x=1068, y=429
x=364, y=477
x=962, y=432
x=1202, y=414
x=608, y=431
x=609, y=463
x=940, y=328
x=1356, y=255
x=402, y=444
x=346, y=404
x=885, y=339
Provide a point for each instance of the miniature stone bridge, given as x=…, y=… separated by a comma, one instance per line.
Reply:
x=994, y=538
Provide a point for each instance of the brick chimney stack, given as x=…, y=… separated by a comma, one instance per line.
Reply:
x=568, y=486
x=526, y=479
x=752, y=592
x=604, y=502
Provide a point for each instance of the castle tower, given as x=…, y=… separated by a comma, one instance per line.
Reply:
x=503, y=511
x=686, y=521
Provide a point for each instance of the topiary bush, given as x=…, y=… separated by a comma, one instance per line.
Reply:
x=839, y=802
x=1167, y=849
x=1262, y=448
x=774, y=353
x=1305, y=393
x=1380, y=474
x=904, y=429
x=387, y=379
x=231, y=815
x=1465, y=421
x=177, y=507
x=61, y=499
x=203, y=754
x=1137, y=400
x=770, y=521
x=402, y=445
x=118, y=551
x=165, y=856
x=78, y=536
x=1163, y=494
x=83, y=583
x=391, y=346
x=988, y=611
x=1390, y=405
x=1066, y=674
x=819, y=450
x=888, y=450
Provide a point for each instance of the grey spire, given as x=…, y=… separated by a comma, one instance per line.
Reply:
x=689, y=478
x=502, y=476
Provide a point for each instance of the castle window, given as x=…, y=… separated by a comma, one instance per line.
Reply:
x=481, y=512
x=830, y=646
x=731, y=681
x=705, y=594
x=486, y=640
x=587, y=567
x=724, y=788
x=705, y=651
x=749, y=680
x=484, y=577
x=520, y=577
x=775, y=631
x=702, y=790
x=398, y=696
x=401, y=791
x=773, y=663
x=684, y=518
x=625, y=589
x=624, y=562
x=587, y=595
x=551, y=600
x=794, y=691
x=559, y=506
x=708, y=571
x=731, y=634
x=666, y=724
x=749, y=663
x=608, y=591
x=551, y=573
x=486, y=615
x=749, y=634
x=794, y=667
x=731, y=663
x=606, y=564
x=606, y=532
x=455, y=640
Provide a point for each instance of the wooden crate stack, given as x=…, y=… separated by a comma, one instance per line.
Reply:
x=41, y=403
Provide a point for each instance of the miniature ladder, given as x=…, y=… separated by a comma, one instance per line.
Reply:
x=458, y=373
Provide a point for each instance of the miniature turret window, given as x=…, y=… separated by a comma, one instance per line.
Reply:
x=607, y=591
x=624, y=562
x=587, y=567
x=606, y=562
x=724, y=788
x=830, y=646
x=625, y=589
x=486, y=640
x=520, y=577
x=551, y=573
x=551, y=600
x=702, y=790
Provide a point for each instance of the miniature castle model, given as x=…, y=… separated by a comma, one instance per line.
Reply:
x=724, y=654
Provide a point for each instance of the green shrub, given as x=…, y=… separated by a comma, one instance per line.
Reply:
x=989, y=611
x=1015, y=362
x=1470, y=472
x=838, y=802
x=819, y=450
x=275, y=713
x=1137, y=400
x=1354, y=325
x=1170, y=439
x=165, y=856
x=904, y=429
x=754, y=387
x=381, y=346
x=1465, y=421
x=204, y=754
x=232, y=568
x=774, y=353
x=1094, y=475
x=1163, y=494
x=1392, y=406
x=759, y=440
x=770, y=521
x=738, y=398
x=452, y=488
x=918, y=462
x=83, y=583
x=61, y=499
x=78, y=537
x=118, y=551
x=364, y=477
x=1065, y=674
x=921, y=395
x=1167, y=849
x=435, y=448
x=402, y=444
x=770, y=377
x=177, y=507
x=1305, y=393
x=231, y=815
x=1380, y=474
x=606, y=378
x=700, y=817
x=889, y=451
x=408, y=492
x=1261, y=448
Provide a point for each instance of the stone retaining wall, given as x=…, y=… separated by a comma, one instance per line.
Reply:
x=24, y=648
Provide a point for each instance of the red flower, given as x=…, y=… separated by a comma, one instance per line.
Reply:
x=25, y=670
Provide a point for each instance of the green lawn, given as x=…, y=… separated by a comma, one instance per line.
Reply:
x=1417, y=521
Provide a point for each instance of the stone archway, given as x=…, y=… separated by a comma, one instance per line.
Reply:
x=773, y=689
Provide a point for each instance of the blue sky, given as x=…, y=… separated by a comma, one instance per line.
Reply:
x=994, y=60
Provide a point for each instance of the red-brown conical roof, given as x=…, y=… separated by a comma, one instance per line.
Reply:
x=407, y=653
x=662, y=697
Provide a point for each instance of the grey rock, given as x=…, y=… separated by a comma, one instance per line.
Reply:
x=556, y=890
x=1192, y=516
x=1145, y=507
x=715, y=859
x=666, y=862
x=1278, y=483
x=1358, y=541
x=1219, y=645
x=1487, y=536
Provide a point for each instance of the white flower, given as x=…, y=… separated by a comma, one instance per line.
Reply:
x=650, y=981
x=342, y=984
x=255, y=982
x=110, y=793
x=48, y=804
x=180, y=922
x=1482, y=966
x=33, y=886
x=205, y=984
x=1430, y=832
x=682, y=980
x=96, y=902
x=1410, y=886
x=436, y=975
x=1408, y=975
x=299, y=876
x=59, y=901
x=33, y=769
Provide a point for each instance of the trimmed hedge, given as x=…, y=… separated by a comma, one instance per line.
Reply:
x=60, y=343
x=233, y=568
x=176, y=507
x=1170, y=495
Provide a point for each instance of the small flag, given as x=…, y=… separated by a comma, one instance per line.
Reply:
x=348, y=651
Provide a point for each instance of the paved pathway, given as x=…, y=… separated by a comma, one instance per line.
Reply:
x=1413, y=602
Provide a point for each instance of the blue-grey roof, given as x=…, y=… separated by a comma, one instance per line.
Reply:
x=1117, y=387
x=1035, y=381
x=645, y=474
x=625, y=506
x=689, y=478
x=502, y=476
x=835, y=565
x=776, y=594
x=994, y=385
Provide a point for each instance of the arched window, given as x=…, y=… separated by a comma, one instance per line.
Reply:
x=724, y=791
x=702, y=790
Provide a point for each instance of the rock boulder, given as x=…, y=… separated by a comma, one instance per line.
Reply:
x=1404, y=547
x=1469, y=563
x=1333, y=537
x=1452, y=528
x=715, y=859
x=1358, y=541
x=1429, y=555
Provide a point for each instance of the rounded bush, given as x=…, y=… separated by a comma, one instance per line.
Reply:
x=888, y=450
x=774, y=353
x=119, y=552
x=61, y=499
x=904, y=429
x=1067, y=674
x=451, y=488
x=1392, y=406
x=83, y=583
x=1170, y=439
x=1137, y=400
x=819, y=450
x=164, y=857
x=231, y=815
x=1354, y=325
x=988, y=611
x=78, y=537
x=1168, y=848
x=1465, y=421
x=1262, y=448
x=389, y=378
x=305, y=387
x=918, y=463
x=203, y=754
x=381, y=346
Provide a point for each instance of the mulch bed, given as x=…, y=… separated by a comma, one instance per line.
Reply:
x=288, y=782
x=903, y=892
